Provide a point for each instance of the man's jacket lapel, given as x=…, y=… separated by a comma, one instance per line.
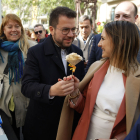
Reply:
x=52, y=51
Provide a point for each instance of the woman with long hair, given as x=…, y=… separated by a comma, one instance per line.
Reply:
x=13, y=53
x=108, y=96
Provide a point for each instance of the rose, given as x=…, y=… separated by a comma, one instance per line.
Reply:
x=98, y=23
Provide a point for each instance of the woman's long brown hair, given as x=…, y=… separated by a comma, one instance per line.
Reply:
x=125, y=38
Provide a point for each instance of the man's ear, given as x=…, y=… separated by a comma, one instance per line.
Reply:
x=136, y=17
x=51, y=28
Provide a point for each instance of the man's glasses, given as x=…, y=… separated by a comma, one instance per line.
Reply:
x=65, y=31
x=39, y=32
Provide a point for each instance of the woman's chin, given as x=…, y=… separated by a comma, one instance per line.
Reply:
x=103, y=56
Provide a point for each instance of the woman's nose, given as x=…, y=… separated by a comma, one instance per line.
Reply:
x=13, y=29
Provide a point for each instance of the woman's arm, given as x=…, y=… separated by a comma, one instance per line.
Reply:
x=76, y=99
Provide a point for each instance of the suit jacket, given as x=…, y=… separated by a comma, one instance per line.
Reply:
x=130, y=106
x=86, y=48
x=42, y=70
x=96, y=52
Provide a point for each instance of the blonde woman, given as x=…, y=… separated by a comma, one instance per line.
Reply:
x=28, y=33
x=13, y=52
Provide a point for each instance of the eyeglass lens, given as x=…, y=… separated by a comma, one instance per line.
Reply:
x=39, y=32
x=67, y=30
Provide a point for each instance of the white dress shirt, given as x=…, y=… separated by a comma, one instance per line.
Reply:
x=107, y=104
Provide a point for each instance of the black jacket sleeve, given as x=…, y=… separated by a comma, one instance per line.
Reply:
x=31, y=86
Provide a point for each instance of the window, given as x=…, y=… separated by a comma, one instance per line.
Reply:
x=112, y=13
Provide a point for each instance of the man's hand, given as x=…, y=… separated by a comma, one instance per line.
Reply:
x=76, y=83
x=62, y=88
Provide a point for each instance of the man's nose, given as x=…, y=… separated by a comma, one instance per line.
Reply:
x=84, y=29
x=70, y=34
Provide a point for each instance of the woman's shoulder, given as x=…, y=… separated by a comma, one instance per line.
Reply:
x=92, y=69
x=137, y=73
x=97, y=64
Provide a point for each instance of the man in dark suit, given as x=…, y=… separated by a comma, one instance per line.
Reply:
x=96, y=52
x=126, y=11
x=45, y=64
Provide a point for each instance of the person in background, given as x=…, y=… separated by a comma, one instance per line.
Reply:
x=85, y=38
x=47, y=33
x=126, y=11
x=45, y=64
x=13, y=53
x=33, y=37
x=40, y=33
x=109, y=95
x=28, y=33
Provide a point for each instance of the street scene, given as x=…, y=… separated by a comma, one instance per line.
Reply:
x=70, y=70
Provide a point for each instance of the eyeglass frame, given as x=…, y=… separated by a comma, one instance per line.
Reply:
x=68, y=31
x=40, y=31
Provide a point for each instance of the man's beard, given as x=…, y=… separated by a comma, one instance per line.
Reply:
x=60, y=42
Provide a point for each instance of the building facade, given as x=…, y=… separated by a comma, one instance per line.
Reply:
x=106, y=10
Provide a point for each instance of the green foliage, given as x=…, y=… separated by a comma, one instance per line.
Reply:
x=100, y=27
x=24, y=7
x=45, y=6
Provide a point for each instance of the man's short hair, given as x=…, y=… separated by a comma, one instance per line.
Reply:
x=60, y=11
x=39, y=25
x=85, y=17
x=135, y=7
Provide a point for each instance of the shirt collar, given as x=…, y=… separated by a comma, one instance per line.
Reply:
x=59, y=48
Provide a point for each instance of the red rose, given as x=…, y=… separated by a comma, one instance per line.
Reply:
x=98, y=23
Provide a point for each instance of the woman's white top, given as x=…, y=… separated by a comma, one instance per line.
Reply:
x=107, y=104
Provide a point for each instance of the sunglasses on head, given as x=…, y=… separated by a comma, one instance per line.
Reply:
x=39, y=32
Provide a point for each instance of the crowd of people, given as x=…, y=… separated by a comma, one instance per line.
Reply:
x=41, y=99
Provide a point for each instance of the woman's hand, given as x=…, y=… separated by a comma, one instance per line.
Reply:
x=76, y=81
x=62, y=88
